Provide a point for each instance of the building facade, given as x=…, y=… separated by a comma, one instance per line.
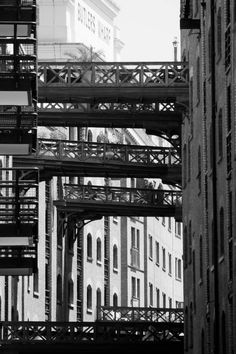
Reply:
x=115, y=261
x=208, y=44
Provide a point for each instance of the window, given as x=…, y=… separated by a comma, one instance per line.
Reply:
x=150, y=294
x=198, y=83
x=219, y=32
x=158, y=297
x=98, y=298
x=191, y=325
x=138, y=288
x=220, y=134
x=115, y=300
x=189, y=160
x=178, y=271
x=200, y=258
x=133, y=289
x=221, y=232
x=163, y=259
x=59, y=289
x=70, y=292
x=177, y=229
x=190, y=242
x=135, y=245
x=184, y=165
x=89, y=298
x=90, y=136
x=99, y=250
x=115, y=257
x=169, y=223
x=150, y=247
x=163, y=221
x=227, y=47
x=36, y=282
x=157, y=253
x=170, y=263
x=89, y=247
x=170, y=302
x=163, y=300
x=185, y=240
x=199, y=172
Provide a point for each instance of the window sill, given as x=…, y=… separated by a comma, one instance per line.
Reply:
x=89, y=259
x=178, y=279
x=99, y=263
x=170, y=274
x=157, y=264
x=200, y=282
x=150, y=258
x=178, y=236
x=115, y=270
x=164, y=269
x=71, y=306
x=89, y=311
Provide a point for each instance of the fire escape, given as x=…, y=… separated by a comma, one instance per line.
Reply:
x=18, y=129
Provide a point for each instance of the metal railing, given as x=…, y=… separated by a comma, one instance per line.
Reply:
x=89, y=151
x=149, y=74
x=133, y=196
x=21, y=333
x=140, y=314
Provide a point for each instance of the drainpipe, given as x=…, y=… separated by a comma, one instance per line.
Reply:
x=214, y=179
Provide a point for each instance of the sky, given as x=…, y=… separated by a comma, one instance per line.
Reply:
x=148, y=28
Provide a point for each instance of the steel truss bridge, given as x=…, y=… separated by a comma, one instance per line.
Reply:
x=137, y=335
x=71, y=158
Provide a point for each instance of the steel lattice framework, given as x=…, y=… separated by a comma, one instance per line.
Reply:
x=70, y=158
x=108, y=200
x=89, y=332
x=140, y=314
x=88, y=82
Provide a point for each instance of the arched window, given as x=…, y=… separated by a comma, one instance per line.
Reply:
x=185, y=240
x=223, y=333
x=89, y=247
x=99, y=250
x=115, y=257
x=190, y=242
x=200, y=258
x=219, y=32
x=191, y=325
x=90, y=136
x=220, y=134
x=222, y=231
x=186, y=328
x=36, y=282
x=115, y=300
x=70, y=292
x=59, y=289
x=98, y=298
x=89, y=297
x=202, y=342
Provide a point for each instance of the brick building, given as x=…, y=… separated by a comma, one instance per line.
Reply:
x=208, y=44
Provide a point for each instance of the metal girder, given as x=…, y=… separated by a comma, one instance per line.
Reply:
x=71, y=158
x=110, y=201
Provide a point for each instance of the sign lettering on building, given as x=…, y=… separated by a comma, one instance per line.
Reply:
x=93, y=24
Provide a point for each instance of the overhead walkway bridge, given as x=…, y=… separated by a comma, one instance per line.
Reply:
x=71, y=158
x=162, y=333
x=83, y=200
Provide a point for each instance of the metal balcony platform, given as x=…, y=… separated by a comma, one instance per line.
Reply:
x=87, y=82
x=117, y=201
x=71, y=158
